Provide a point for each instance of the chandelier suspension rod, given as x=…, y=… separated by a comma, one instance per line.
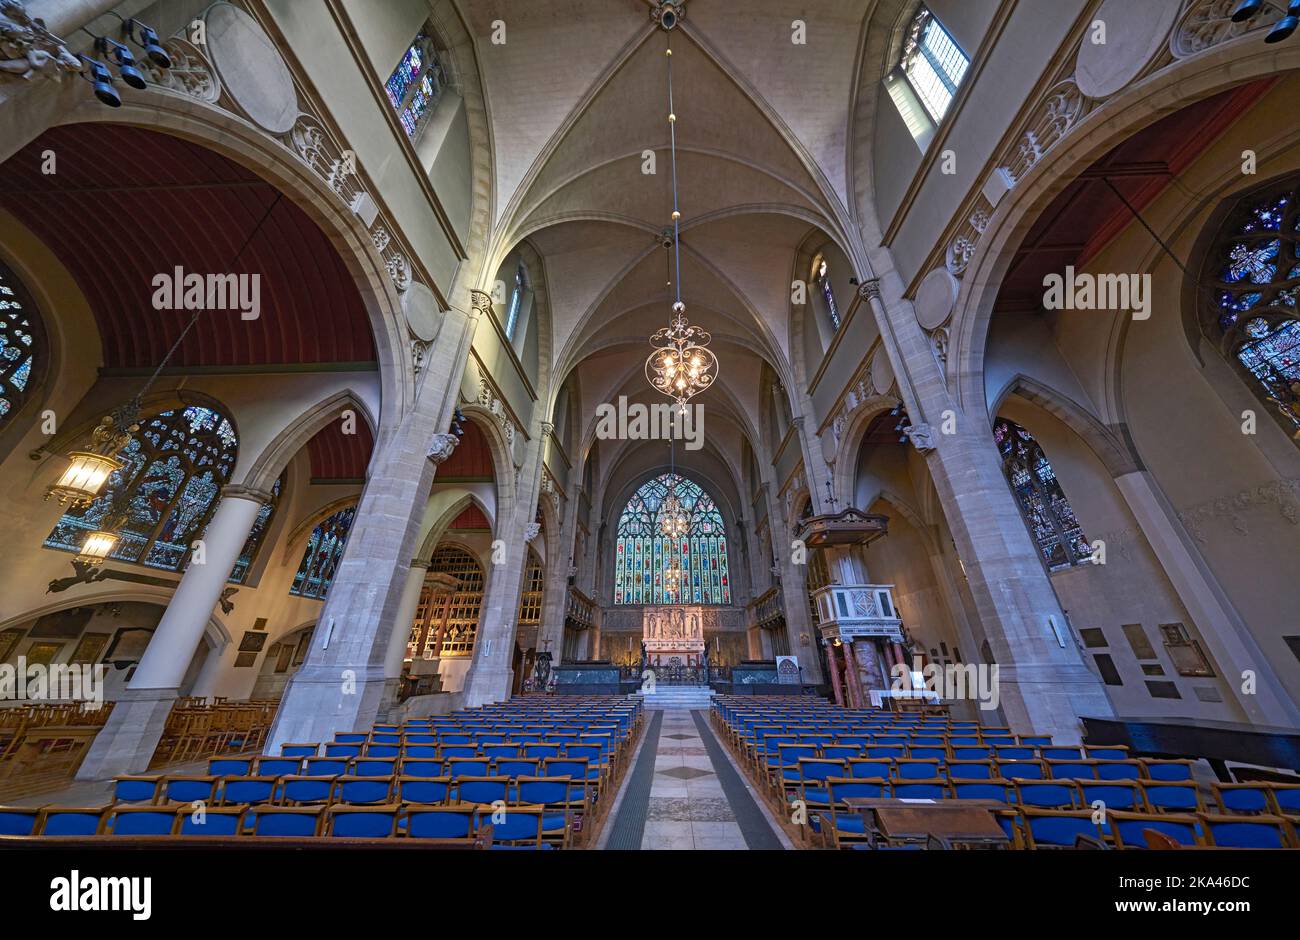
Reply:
x=677, y=215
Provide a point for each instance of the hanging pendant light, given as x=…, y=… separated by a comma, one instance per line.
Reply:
x=88, y=470
x=681, y=366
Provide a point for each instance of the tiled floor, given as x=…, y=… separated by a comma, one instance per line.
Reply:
x=688, y=808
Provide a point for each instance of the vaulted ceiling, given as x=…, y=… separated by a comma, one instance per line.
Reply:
x=578, y=102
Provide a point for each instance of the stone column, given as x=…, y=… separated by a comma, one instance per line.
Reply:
x=340, y=687
x=1044, y=687
x=794, y=594
x=555, y=595
x=400, y=638
x=128, y=739
x=868, y=653
x=489, y=676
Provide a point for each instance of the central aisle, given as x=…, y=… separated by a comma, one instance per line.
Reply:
x=685, y=793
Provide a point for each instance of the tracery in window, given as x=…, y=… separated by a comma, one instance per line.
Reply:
x=170, y=483
x=416, y=85
x=324, y=552
x=643, y=553
x=1042, y=502
x=253, y=544
x=1252, y=280
x=21, y=344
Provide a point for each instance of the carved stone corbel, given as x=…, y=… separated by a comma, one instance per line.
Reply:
x=441, y=447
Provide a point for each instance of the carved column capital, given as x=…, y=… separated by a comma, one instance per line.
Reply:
x=246, y=492
x=532, y=530
x=480, y=302
x=870, y=290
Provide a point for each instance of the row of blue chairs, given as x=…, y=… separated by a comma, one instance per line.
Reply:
x=792, y=766
x=524, y=826
x=298, y=790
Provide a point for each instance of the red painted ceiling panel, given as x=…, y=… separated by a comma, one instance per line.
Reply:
x=471, y=458
x=338, y=456
x=127, y=204
x=471, y=518
x=1087, y=215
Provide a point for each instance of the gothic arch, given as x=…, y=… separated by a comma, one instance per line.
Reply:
x=1141, y=104
x=270, y=463
x=1114, y=448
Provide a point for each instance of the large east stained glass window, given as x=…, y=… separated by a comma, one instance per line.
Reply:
x=170, y=483
x=1253, y=277
x=324, y=551
x=1047, y=512
x=643, y=553
x=416, y=85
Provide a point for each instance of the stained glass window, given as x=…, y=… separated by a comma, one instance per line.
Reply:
x=1047, y=512
x=1253, y=276
x=933, y=63
x=20, y=344
x=254, y=541
x=516, y=300
x=169, y=486
x=324, y=551
x=828, y=294
x=416, y=85
x=643, y=554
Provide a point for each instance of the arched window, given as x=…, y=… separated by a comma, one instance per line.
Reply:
x=446, y=622
x=169, y=485
x=644, y=553
x=828, y=294
x=1252, y=276
x=516, y=301
x=320, y=560
x=21, y=345
x=254, y=541
x=1042, y=502
x=416, y=85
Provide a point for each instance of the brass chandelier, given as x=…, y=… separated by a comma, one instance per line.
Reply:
x=682, y=365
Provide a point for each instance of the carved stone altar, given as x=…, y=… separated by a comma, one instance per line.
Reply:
x=674, y=633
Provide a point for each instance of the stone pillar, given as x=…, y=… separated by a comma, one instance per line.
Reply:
x=400, y=638
x=489, y=676
x=1043, y=687
x=398, y=642
x=340, y=687
x=128, y=740
x=794, y=595
x=832, y=661
x=555, y=596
